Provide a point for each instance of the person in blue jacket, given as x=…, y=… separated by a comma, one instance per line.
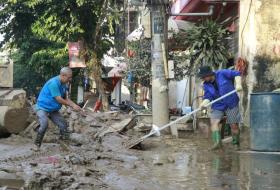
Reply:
x=215, y=85
x=51, y=98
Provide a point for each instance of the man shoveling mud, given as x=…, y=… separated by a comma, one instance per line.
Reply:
x=50, y=100
x=215, y=85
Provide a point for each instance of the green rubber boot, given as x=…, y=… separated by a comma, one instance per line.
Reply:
x=236, y=141
x=216, y=137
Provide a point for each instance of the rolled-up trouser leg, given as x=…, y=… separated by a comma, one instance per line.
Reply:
x=43, y=120
x=215, y=124
x=233, y=118
x=58, y=120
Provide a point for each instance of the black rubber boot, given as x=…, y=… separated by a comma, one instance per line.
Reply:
x=38, y=142
x=64, y=140
x=64, y=135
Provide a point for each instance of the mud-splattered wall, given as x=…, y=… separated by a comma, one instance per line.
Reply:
x=259, y=44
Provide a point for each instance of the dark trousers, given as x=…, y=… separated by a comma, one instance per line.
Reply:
x=56, y=118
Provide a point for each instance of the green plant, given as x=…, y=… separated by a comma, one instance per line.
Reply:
x=140, y=62
x=35, y=61
x=56, y=23
x=182, y=64
x=206, y=44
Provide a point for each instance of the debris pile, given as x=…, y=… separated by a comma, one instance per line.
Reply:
x=94, y=138
x=96, y=157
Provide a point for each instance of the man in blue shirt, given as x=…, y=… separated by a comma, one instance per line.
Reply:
x=50, y=100
x=215, y=85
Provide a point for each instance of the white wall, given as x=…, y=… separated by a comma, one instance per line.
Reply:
x=120, y=93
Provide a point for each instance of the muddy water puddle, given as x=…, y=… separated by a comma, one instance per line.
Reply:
x=164, y=163
x=11, y=184
x=186, y=163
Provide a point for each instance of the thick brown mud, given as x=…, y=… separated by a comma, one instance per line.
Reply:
x=104, y=163
x=186, y=163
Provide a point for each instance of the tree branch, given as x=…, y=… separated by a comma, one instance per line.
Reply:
x=99, y=22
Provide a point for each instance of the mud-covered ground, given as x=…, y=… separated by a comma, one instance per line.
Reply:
x=96, y=159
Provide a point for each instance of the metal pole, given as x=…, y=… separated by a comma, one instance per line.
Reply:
x=128, y=18
x=159, y=83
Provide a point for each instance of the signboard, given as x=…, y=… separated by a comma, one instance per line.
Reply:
x=75, y=59
x=158, y=25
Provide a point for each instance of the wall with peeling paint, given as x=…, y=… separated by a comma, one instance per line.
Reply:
x=259, y=44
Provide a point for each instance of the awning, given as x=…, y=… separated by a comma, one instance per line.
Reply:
x=136, y=34
x=179, y=5
x=222, y=9
x=184, y=6
x=175, y=26
x=116, y=64
x=115, y=72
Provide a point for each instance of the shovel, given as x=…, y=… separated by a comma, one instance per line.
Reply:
x=132, y=144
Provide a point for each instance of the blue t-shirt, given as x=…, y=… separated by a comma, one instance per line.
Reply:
x=46, y=100
x=223, y=85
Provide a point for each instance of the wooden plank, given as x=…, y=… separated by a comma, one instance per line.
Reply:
x=116, y=127
x=6, y=92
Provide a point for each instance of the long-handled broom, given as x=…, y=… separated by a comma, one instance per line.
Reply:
x=133, y=143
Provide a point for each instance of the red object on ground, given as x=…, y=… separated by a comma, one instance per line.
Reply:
x=49, y=160
x=98, y=104
x=130, y=53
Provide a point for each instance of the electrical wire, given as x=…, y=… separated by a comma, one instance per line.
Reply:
x=250, y=6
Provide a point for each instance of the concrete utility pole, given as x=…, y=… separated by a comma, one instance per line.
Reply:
x=159, y=82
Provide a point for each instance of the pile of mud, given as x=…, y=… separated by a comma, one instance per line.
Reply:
x=94, y=137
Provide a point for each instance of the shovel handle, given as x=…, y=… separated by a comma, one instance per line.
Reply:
x=189, y=114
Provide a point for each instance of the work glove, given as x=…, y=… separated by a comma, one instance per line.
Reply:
x=238, y=84
x=202, y=106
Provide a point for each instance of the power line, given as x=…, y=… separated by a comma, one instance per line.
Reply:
x=245, y=25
